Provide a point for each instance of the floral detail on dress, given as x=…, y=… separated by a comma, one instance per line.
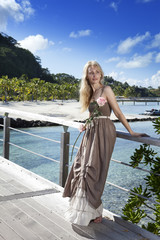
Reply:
x=101, y=101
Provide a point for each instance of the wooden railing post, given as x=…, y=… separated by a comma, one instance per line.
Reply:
x=64, y=157
x=6, y=136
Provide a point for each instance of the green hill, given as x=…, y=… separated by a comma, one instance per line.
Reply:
x=16, y=61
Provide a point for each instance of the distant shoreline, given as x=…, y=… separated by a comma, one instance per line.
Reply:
x=68, y=110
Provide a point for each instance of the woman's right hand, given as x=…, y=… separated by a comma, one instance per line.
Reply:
x=135, y=134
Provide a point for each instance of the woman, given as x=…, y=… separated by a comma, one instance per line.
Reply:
x=87, y=177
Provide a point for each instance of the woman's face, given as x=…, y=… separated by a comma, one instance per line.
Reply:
x=94, y=75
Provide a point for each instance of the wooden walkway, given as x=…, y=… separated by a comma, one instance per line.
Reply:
x=32, y=208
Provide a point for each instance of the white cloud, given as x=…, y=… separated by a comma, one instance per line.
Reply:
x=114, y=5
x=81, y=33
x=117, y=76
x=156, y=41
x=154, y=81
x=113, y=59
x=137, y=61
x=27, y=9
x=12, y=9
x=35, y=43
x=121, y=77
x=127, y=45
x=157, y=58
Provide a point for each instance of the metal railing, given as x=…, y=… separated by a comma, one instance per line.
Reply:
x=64, y=154
x=64, y=143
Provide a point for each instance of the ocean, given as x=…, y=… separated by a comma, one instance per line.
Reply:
x=113, y=199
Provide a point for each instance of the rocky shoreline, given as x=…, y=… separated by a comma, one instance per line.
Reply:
x=21, y=123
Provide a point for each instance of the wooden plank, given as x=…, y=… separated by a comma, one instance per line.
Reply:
x=130, y=226
x=16, y=225
x=25, y=177
x=26, y=220
x=6, y=233
x=27, y=195
x=54, y=202
x=108, y=228
x=58, y=204
x=119, y=232
x=4, y=176
x=3, y=190
x=58, y=219
x=51, y=224
x=1, y=238
x=1, y=180
x=51, y=208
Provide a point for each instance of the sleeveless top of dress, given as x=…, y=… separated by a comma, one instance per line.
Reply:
x=105, y=109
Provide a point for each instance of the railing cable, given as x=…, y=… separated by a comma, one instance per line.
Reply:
x=34, y=135
x=129, y=165
x=40, y=155
x=129, y=191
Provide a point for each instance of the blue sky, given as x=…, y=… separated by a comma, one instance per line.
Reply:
x=123, y=35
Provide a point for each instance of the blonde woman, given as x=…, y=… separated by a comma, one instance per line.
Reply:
x=86, y=180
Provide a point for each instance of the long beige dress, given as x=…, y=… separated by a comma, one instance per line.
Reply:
x=86, y=180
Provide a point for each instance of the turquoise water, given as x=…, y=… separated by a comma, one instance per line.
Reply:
x=113, y=198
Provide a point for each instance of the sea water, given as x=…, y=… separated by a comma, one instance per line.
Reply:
x=113, y=199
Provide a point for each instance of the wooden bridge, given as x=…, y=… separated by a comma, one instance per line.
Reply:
x=32, y=208
x=134, y=100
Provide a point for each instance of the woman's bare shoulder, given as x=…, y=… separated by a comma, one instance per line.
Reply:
x=107, y=89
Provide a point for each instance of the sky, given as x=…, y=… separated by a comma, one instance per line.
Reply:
x=123, y=36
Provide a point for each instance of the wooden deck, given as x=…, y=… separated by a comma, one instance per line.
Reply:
x=32, y=208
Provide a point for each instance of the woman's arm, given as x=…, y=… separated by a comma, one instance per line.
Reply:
x=117, y=111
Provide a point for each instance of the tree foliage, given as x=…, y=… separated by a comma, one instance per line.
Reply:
x=16, y=62
x=23, y=89
x=138, y=205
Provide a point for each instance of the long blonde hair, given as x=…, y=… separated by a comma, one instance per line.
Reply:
x=85, y=88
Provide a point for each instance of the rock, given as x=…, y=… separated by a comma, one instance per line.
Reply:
x=21, y=123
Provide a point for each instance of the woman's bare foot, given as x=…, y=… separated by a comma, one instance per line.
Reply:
x=98, y=220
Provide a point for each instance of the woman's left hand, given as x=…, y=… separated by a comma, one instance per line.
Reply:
x=135, y=134
x=82, y=127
